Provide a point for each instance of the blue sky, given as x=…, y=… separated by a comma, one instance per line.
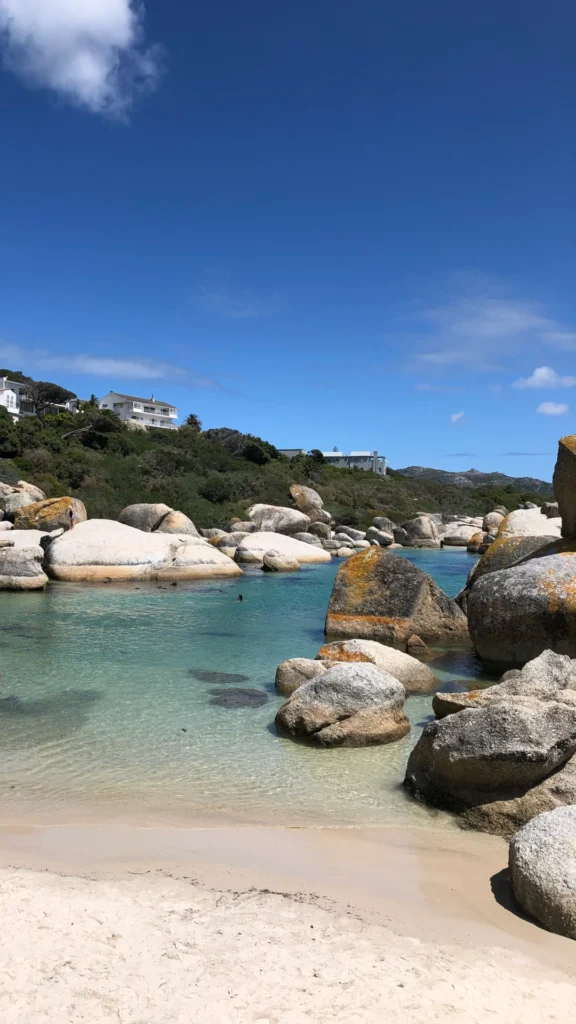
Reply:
x=328, y=224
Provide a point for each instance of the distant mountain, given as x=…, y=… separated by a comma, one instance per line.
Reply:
x=474, y=478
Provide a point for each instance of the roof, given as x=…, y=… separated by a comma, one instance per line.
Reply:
x=134, y=398
x=333, y=455
x=364, y=454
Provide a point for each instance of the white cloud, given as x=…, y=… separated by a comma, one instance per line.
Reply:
x=38, y=361
x=545, y=377
x=457, y=416
x=552, y=409
x=89, y=51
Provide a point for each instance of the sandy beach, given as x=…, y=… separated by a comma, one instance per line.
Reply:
x=258, y=926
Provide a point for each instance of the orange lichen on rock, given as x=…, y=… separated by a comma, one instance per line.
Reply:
x=330, y=653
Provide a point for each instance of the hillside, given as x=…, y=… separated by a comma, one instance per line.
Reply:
x=211, y=476
x=474, y=478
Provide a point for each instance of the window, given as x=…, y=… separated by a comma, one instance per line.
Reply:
x=165, y=412
x=149, y=408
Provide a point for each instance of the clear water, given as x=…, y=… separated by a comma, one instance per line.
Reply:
x=107, y=711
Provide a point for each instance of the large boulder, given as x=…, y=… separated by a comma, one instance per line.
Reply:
x=16, y=500
x=529, y=522
x=21, y=568
x=144, y=516
x=460, y=760
x=101, y=549
x=382, y=537
x=321, y=530
x=349, y=705
x=308, y=538
x=550, y=509
x=51, y=514
x=420, y=532
x=350, y=531
x=414, y=676
x=543, y=869
x=308, y=501
x=276, y=519
x=239, y=526
x=275, y=561
x=35, y=492
x=381, y=596
x=509, y=812
x=295, y=672
x=177, y=522
x=517, y=613
x=459, y=535
x=550, y=676
x=254, y=547
x=502, y=554
x=564, y=483
x=492, y=522
x=384, y=523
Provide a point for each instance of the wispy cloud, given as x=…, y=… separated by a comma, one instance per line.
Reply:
x=437, y=388
x=545, y=377
x=457, y=416
x=552, y=409
x=462, y=455
x=91, y=52
x=528, y=455
x=240, y=305
x=564, y=340
x=481, y=332
x=40, y=361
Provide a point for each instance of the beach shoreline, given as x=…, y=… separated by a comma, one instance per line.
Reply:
x=269, y=925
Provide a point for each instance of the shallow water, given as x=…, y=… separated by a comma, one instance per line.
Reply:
x=117, y=706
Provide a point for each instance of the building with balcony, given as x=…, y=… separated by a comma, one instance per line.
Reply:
x=148, y=411
x=372, y=462
x=21, y=405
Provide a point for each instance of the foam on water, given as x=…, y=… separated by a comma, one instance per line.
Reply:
x=115, y=704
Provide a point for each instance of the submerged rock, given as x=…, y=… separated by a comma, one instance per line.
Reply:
x=238, y=697
x=210, y=676
x=543, y=869
x=381, y=596
x=348, y=705
x=415, y=677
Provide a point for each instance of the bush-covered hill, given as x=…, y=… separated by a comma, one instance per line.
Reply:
x=474, y=478
x=210, y=476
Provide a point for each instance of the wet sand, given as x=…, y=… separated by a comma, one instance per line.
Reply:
x=266, y=925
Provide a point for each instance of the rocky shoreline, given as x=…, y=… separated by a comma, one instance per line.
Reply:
x=500, y=758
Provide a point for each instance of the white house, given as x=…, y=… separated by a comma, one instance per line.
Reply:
x=148, y=411
x=372, y=462
x=21, y=405
x=9, y=399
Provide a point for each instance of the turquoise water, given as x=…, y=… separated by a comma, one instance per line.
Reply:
x=125, y=703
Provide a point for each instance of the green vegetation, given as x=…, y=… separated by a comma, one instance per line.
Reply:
x=212, y=475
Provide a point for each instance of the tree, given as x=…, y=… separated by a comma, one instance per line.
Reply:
x=194, y=421
x=43, y=394
x=317, y=455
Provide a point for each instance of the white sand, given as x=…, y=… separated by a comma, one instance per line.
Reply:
x=147, y=948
